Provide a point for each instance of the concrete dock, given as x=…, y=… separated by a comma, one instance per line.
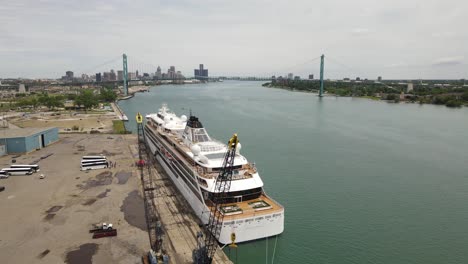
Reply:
x=180, y=225
x=47, y=220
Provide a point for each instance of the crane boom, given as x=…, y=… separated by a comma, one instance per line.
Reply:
x=221, y=190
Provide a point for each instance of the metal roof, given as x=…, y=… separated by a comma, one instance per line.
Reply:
x=22, y=132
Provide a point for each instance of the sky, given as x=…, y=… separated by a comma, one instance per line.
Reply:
x=397, y=39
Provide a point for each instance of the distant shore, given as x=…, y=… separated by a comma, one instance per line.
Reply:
x=455, y=95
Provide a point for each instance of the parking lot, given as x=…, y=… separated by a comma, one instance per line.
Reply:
x=47, y=220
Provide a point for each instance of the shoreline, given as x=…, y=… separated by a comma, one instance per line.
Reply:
x=373, y=98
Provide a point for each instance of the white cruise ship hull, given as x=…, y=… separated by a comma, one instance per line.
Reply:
x=246, y=228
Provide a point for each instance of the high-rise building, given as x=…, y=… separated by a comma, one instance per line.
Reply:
x=311, y=76
x=131, y=76
x=290, y=76
x=119, y=75
x=201, y=73
x=379, y=78
x=137, y=75
x=106, y=76
x=158, y=74
x=69, y=75
x=98, y=77
x=171, y=73
x=112, y=76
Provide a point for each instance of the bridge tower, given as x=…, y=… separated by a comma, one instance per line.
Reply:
x=322, y=58
x=125, y=75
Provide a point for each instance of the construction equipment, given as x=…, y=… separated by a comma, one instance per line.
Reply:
x=144, y=165
x=103, y=230
x=205, y=251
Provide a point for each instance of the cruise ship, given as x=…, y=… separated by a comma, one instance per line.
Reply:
x=193, y=160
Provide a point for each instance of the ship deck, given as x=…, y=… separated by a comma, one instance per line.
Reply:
x=248, y=211
x=182, y=155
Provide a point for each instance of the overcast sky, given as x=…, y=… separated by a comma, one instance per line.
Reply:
x=366, y=38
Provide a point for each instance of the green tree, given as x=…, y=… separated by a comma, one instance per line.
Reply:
x=87, y=99
x=464, y=96
x=108, y=95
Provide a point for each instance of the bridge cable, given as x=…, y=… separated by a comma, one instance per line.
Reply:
x=294, y=66
x=101, y=65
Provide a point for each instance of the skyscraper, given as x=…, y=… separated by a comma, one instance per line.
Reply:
x=158, y=73
x=112, y=76
x=119, y=75
x=171, y=73
x=69, y=75
x=98, y=77
x=201, y=73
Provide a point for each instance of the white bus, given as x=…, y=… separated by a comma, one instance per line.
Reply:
x=34, y=167
x=18, y=171
x=3, y=174
x=85, y=161
x=94, y=165
x=93, y=157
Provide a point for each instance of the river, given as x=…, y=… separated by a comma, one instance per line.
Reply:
x=362, y=181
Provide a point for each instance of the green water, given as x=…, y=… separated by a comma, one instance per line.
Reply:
x=362, y=181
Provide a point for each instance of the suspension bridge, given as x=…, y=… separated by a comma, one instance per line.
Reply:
x=129, y=75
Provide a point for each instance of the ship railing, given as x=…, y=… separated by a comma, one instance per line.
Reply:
x=273, y=200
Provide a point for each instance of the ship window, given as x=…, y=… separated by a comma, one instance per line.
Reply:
x=215, y=155
x=219, y=169
x=199, y=135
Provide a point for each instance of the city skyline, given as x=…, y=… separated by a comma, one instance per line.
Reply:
x=394, y=39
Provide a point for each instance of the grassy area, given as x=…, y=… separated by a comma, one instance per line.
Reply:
x=119, y=127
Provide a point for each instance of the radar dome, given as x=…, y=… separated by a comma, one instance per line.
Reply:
x=167, y=119
x=238, y=147
x=195, y=150
x=183, y=118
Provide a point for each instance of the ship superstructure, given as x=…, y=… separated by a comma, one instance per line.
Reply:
x=193, y=160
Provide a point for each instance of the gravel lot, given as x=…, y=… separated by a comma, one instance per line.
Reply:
x=47, y=220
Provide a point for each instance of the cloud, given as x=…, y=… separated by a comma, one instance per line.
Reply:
x=448, y=61
x=360, y=31
x=245, y=37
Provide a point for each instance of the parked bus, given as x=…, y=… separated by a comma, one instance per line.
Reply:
x=94, y=165
x=85, y=161
x=18, y=171
x=3, y=174
x=34, y=167
x=93, y=157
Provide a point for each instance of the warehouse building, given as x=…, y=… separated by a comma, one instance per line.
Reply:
x=24, y=140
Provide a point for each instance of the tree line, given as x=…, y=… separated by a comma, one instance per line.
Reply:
x=454, y=95
x=86, y=99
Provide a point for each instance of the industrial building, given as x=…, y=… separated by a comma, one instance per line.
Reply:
x=24, y=140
